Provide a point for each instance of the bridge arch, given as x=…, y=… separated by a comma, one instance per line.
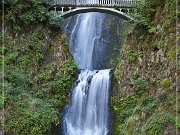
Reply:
x=67, y=12
x=69, y=8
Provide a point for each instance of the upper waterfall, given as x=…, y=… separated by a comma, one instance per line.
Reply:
x=95, y=39
x=84, y=37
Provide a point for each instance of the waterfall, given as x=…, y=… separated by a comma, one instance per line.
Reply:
x=87, y=114
x=87, y=111
x=84, y=38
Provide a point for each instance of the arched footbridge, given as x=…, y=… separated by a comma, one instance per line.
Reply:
x=69, y=8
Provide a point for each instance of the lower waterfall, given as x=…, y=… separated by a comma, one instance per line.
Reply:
x=87, y=112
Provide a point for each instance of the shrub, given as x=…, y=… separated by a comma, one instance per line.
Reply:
x=136, y=75
x=140, y=86
x=28, y=12
x=172, y=54
x=157, y=122
x=165, y=83
x=143, y=14
x=132, y=56
x=55, y=19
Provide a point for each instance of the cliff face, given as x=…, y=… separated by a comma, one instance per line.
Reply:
x=38, y=74
x=144, y=98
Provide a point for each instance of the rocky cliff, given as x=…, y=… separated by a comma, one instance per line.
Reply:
x=38, y=69
x=146, y=80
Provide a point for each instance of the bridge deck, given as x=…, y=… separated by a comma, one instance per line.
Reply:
x=96, y=3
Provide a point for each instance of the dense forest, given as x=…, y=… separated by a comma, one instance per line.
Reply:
x=38, y=70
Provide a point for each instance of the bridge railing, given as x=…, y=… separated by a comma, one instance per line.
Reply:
x=97, y=3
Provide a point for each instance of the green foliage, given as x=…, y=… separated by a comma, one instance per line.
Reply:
x=17, y=77
x=146, y=10
x=148, y=103
x=170, y=9
x=127, y=107
x=55, y=19
x=127, y=112
x=165, y=83
x=29, y=53
x=171, y=102
x=143, y=109
x=172, y=54
x=157, y=122
x=36, y=86
x=154, y=81
x=160, y=44
x=17, y=28
x=140, y=86
x=132, y=56
x=30, y=115
x=123, y=108
x=34, y=15
x=11, y=57
x=177, y=122
x=2, y=100
x=55, y=81
x=151, y=111
x=25, y=114
x=143, y=13
x=136, y=75
x=28, y=12
x=130, y=124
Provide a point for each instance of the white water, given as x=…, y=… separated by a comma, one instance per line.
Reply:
x=84, y=38
x=87, y=112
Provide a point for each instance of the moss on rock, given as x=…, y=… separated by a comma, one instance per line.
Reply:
x=147, y=68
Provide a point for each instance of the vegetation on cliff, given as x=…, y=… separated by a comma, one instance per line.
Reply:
x=39, y=70
x=144, y=98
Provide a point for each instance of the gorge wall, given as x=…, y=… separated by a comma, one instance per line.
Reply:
x=38, y=69
x=146, y=77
